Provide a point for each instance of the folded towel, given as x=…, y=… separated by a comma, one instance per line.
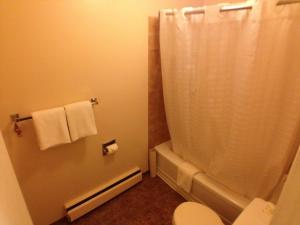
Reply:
x=51, y=127
x=185, y=173
x=81, y=120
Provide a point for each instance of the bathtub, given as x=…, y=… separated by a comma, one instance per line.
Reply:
x=223, y=201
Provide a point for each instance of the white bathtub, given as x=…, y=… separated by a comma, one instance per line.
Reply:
x=225, y=202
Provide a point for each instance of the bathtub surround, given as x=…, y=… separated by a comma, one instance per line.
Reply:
x=157, y=125
x=232, y=103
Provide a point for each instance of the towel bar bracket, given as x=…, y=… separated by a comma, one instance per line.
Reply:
x=16, y=118
x=94, y=101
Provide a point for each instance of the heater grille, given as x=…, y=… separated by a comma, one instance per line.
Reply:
x=98, y=196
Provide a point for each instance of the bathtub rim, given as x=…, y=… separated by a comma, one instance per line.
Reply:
x=220, y=192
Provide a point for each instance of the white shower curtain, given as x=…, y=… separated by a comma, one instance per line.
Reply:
x=231, y=84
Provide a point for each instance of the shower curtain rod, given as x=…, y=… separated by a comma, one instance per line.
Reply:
x=201, y=10
x=285, y=2
x=240, y=6
x=189, y=12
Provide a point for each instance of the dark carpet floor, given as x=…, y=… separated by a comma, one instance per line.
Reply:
x=150, y=202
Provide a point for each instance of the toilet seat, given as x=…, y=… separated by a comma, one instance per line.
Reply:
x=192, y=213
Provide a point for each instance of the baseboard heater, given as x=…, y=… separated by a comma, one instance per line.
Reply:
x=98, y=196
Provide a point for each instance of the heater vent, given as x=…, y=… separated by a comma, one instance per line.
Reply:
x=98, y=196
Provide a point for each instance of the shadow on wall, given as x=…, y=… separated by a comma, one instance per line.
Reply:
x=157, y=124
x=42, y=161
x=56, y=163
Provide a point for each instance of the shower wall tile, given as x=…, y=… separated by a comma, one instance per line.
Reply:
x=157, y=125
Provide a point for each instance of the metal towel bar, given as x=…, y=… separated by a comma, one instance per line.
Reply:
x=17, y=118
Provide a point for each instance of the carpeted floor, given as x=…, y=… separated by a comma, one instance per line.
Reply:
x=151, y=202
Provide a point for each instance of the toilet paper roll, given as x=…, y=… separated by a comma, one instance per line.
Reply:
x=111, y=149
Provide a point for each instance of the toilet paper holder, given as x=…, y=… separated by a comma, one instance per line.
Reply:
x=105, y=145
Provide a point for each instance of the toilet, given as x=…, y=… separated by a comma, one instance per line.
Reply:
x=258, y=212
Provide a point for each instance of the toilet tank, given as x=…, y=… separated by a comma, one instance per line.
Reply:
x=258, y=212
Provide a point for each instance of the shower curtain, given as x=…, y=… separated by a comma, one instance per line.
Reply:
x=231, y=83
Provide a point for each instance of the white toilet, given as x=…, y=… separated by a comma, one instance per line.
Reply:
x=258, y=212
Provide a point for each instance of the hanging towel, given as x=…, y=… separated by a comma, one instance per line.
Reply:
x=81, y=120
x=51, y=127
x=185, y=173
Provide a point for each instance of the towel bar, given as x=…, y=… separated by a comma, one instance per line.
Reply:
x=16, y=117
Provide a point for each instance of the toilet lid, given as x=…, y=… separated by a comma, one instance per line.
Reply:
x=192, y=213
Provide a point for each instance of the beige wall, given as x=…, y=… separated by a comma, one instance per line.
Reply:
x=56, y=52
x=11, y=199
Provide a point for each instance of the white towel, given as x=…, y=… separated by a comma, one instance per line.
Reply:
x=51, y=127
x=185, y=173
x=81, y=120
